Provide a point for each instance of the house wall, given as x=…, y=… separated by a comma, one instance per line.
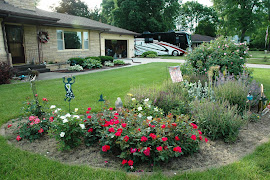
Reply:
x=128, y=38
x=24, y=4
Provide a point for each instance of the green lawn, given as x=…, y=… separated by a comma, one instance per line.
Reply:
x=18, y=164
x=259, y=57
x=173, y=57
x=258, y=54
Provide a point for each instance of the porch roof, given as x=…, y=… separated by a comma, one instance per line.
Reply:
x=198, y=38
x=14, y=14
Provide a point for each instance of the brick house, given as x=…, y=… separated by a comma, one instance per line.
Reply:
x=23, y=27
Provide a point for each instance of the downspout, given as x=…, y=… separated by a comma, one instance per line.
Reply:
x=100, y=40
x=5, y=41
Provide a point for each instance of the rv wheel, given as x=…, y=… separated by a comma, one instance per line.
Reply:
x=175, y=53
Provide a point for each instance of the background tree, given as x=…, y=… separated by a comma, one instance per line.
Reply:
x=146, y=15
x=73, y=7
x=107, y=8
x=206, y=27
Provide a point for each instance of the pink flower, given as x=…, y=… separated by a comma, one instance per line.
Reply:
x=206, y=140
x=116, y=122
x=200, y=132
x=51, y=119
x=87, y=112
x=177, y=149
x=193, y=137
x=90, y=130
x=200, y=137
x=37, y=121
x=89, y=117
x=164, y=139
x=124, y=125
x=124, y=161
x=152, y=135
x=139, y=129
x=45, y=99
x=159, y=148
x=163, y=126
x=106, y=148
x=133, y=150
x=174, y=124
x=110, y=108
x=31, y=118
x=18, y=138
x=225, y=54
x=36, y=95
x=118, y=133
x=194, y=126
x=153, y=126
x=120, y=130
x=9, y=125
x=111, y=130
x=89, y=109
x=40, y=130
x=176, y=138
x=231, y=62
x=144, y=139
x=116, y=114
x=126, y=138
x=147, y=151
x=130, y=163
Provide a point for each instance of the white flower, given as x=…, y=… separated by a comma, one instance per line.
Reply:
x=149, y=105
x=155, y=109
x=58, y=109
x=139, y=108
x=68, y=115
x=133, y=99
x=146, y=100
x=52, y=107
x=63, y=117
x=76, y=109
x=82, y=126
x=65, y=120
x=76, y=116
x=140, y=115
x=149, y=118
x=62, y=134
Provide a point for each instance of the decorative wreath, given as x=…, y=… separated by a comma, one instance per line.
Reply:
x=43, y=37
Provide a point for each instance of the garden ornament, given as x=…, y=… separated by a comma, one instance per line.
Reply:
x=249, y=97
x=101, y=98
x=118, y=103
x=175, y=74
x=69, y=92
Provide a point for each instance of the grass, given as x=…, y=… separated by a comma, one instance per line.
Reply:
x=258, y=54
x=172, y=57
x=18, y=164
x=259, y=57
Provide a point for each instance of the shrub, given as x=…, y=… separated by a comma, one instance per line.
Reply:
x=108, y=63
x=92, y=63
x=217, y=120
x=93, y=57
x=148, y=52
x=196, y=91
x=105, y=58
x=151, y=56
x=222, y=52
x=119, y=62
x=76, y=61
x=75, y=68
x=187, y=69
x=6, y=73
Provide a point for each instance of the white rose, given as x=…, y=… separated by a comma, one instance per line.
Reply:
x=62, y=134
x=133, y=99
x=149, y=118
x=76, y=116
x=63, y=117
x=155, y=109
x=68, y=115
x=146, y=100
x=82, y=126
x=139, y=108
x=52, y=107
x=76, y=109
x=65, y=120
x=149, y=106
x=58, y=109
x=140, y=115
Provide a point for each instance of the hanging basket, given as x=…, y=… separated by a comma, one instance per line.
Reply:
x=43, y=37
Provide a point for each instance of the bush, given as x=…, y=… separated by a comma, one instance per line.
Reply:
x=76, y=61
x=93, y=57
x=151, y=56
x=196, y=91
x=108, y=63
x=148, y=52
x=75, y=68
x=217, y=120
x=6, y=73
x=92, y=63
x=105, y=58
x=187, y=69
x=222, y=52
x=119, y=62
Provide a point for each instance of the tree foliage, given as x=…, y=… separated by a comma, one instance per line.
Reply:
x=206, y=27
x=107, y=8
x=146, y=15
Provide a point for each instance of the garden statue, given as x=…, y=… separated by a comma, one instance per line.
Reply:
x=118, y=103
x=101, y=98
x=249, y=97
x=68, y=84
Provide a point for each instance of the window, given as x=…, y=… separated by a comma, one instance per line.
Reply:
x=72, y=40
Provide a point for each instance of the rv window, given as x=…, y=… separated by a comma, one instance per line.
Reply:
x=148, y=40
x=177, y=40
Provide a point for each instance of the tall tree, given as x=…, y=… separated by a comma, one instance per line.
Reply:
x=73, y=7
x=107, y=8
x=206, y=27
x=146, y=15
x=238, y=16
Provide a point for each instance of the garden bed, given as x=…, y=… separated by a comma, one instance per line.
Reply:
x=211, y=154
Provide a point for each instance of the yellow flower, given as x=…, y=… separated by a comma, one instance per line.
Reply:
x=129, y=94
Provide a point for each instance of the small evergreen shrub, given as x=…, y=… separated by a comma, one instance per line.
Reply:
x=148, y=52
x=217, y=120
x=92, y=63
x=76, y=61
x=6, y=73
x=151, y=56
x=105, y=58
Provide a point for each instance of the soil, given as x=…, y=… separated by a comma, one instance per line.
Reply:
x=211, y=154
x=104, y=67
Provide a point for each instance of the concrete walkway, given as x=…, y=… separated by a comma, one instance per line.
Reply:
x=133, y=62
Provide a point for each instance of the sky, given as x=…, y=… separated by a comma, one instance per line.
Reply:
x=45, y=4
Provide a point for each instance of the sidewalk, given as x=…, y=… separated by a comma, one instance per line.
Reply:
x=132, y=61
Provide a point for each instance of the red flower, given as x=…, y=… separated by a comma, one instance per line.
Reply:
x=164, y=139
x=206, y=140
x=130, y=163
x=144, y=139
x=133, y=150
x=120, y=130
x=36, y=95
x=40, y=131
x=165, y=147
x=45, y=99
x=177, y=149
x=111, y=130
x=90, y=130
x=124, y=161
x=115, y=117
x=110, y=108
x=116, y=122
x=194, y=126
x=200, y=132
x=51, y=119
x=174, y=124
x=200, y=137
x=116, y=114
x=9, y=125
x=176, y=138
x=87, y=112
x=159, y=148
x=106, y=148
x=89, y=117
x=89, y=109
x=163, y=126
x=147, y=151
x=153, y=136
x=118, y=133
x=84, y=120
x=124, y=125
x=153, y=126
x=18, y=138
x=126, y=138
x=139, y=129
x=193, y=137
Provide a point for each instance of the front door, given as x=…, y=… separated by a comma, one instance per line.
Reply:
x=15, y=43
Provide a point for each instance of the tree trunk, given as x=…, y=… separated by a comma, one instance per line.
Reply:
x=243, y=35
